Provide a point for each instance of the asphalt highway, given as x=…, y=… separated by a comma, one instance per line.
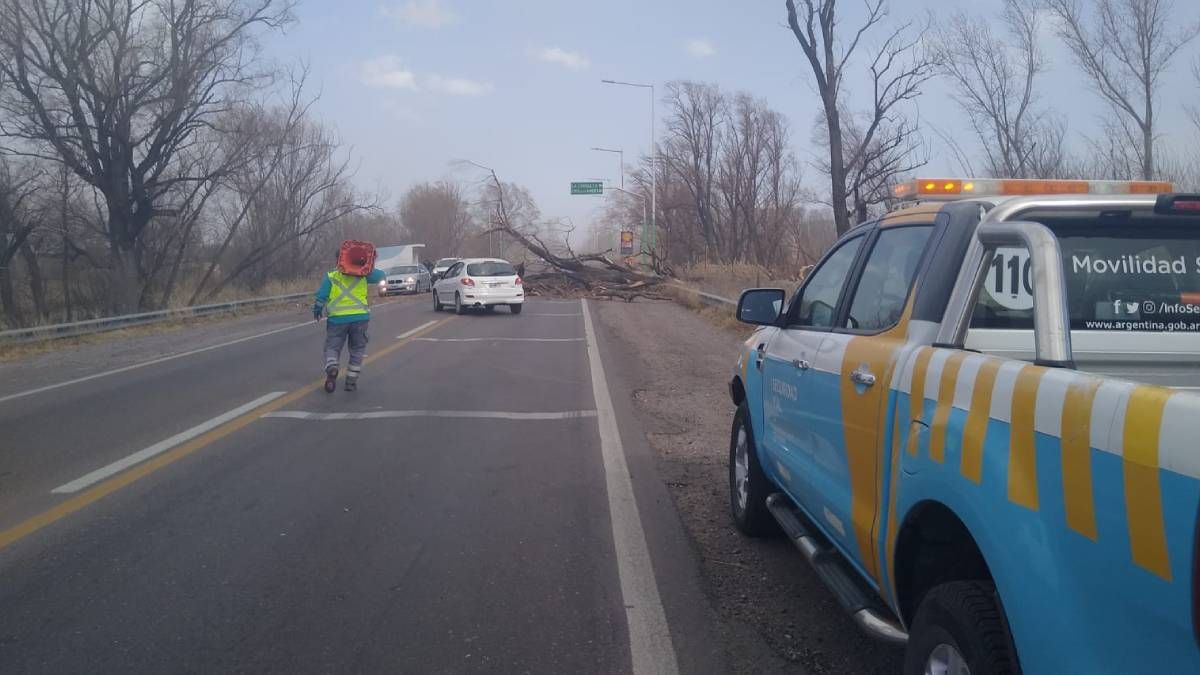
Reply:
x=482, y=503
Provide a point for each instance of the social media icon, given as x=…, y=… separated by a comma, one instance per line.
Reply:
x=1116, y=306
x=1148, y=307
x=1130, y=307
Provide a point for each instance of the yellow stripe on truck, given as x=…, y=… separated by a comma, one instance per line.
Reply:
x=1143, y=493
x=916, y=394
x=945, y=403
x=1022, y=450
x=978, y=416
x=1078, y=498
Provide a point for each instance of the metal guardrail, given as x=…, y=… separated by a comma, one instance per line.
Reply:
x=78, y=328
x=710, y=299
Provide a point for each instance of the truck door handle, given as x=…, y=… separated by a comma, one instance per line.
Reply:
x=761, y=351
x=862, y=376
x=801, y=364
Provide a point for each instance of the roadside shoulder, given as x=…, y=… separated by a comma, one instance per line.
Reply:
x=774, y=614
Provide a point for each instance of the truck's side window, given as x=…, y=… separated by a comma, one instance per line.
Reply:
x=818, y=299
x=886, y=279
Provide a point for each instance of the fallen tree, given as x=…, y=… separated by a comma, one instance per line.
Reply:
x=591, y=274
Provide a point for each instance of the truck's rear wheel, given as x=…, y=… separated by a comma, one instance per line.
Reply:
x=960, y=629
x=748, y=485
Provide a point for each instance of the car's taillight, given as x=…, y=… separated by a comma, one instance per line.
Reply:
x=518, y=281
x=468, y=281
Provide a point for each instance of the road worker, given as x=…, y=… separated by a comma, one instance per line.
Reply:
x=344, y=297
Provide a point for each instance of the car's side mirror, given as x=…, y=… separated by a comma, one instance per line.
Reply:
x=760, y=306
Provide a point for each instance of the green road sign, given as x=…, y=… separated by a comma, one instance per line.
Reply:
x=587, y=188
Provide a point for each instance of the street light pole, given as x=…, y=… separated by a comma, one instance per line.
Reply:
x=653, y=229
x=500, y=188
x=622, y=160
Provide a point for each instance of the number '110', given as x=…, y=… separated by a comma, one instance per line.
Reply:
x=1018, y=273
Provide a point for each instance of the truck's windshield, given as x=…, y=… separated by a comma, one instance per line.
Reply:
x=1122, y=275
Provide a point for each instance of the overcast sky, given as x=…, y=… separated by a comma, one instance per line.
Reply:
x=412, y=85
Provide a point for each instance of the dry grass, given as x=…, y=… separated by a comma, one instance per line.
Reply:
x=730, y=280
x=232, y=293
x=721, y=317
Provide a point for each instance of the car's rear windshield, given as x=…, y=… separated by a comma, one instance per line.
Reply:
x=445, y=262
x=491, y=269
x=1122, y=274
x=406, y=269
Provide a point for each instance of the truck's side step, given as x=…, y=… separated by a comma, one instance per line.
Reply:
x=835, y=572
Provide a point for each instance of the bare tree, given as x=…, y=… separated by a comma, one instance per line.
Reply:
x=995, y=83
x=278, y=207
x=695, y=116
x=897, y=69
x=1124, y=50
x=895, y=151
x=116, y=89
x=437, y=215
x=18, y=220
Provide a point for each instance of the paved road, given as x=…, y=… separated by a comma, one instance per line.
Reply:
x=480, y=504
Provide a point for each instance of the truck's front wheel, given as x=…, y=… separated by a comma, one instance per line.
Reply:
x=748, y=485
x=960, y=629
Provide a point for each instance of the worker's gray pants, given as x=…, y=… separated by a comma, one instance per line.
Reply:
x=336, y=336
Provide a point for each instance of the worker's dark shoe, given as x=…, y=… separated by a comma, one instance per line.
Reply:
x=331, y=374
x=351, y=384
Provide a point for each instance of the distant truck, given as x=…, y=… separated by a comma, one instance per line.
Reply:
x=398, y=255
x=978, y=420
x=405, y=273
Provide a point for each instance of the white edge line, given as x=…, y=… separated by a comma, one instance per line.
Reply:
x=143, y=364
x=458, y=414
x=416, y=330
x=554, y=314
x=162, y=446
x=649, y=634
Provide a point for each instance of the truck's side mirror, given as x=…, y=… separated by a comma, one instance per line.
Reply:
x=760, y=306
x=1051, y=315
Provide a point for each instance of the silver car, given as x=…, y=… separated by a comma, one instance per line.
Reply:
x=405, y=279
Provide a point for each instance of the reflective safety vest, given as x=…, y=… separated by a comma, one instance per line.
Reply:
x=347, y=294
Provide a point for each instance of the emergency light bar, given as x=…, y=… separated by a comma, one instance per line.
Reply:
x=930, y=189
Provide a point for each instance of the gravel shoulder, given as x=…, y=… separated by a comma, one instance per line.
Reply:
x=776, y=615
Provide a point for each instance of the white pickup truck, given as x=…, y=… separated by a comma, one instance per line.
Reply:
x=976, y=419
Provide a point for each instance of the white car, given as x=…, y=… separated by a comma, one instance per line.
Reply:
x=479, y=283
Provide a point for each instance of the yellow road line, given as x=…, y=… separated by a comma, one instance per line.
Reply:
x=94, y=494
